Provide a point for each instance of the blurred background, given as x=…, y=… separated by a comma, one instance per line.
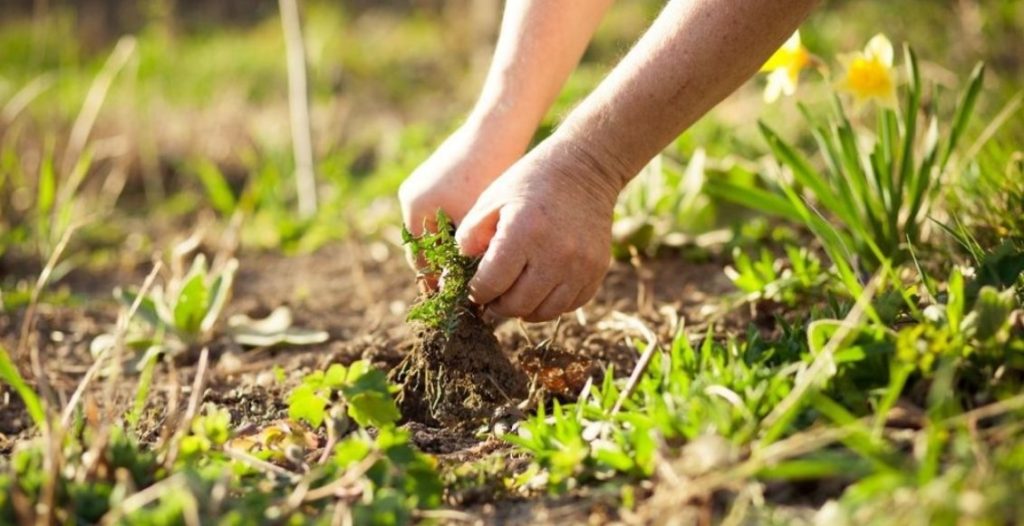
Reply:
x=197, y=116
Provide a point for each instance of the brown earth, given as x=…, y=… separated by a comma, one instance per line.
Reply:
x=359, y=293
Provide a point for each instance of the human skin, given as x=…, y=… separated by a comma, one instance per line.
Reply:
x=539, y=45
x=543, y=225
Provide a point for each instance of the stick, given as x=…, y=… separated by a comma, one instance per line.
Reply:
x=298, y=102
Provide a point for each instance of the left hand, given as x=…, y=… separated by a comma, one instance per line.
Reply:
x=544, y=229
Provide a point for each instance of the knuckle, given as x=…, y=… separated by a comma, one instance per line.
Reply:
x=482, y=291
x=511, y=307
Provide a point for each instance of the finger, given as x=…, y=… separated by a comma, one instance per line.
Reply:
x=477, y=230
x=584, y=296
x=498, y=271
x=529, y=290
x=417, y=223
x=559, y=301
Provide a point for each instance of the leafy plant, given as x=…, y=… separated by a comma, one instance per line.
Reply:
x=186, y=311
x=871, y=198
x=770, y=278
x=684, y=393
x=359, y=390
x=442, y=259
x=190, y=305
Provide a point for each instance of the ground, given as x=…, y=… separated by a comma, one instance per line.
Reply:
x=360, y=293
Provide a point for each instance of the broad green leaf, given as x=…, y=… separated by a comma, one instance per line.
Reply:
x=369, y=399
x=190, y=309
x=147, y=307
x=336, y=377
x=305, y=404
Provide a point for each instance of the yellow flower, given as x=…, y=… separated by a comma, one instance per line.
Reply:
x=784, y=68
x=869, y=74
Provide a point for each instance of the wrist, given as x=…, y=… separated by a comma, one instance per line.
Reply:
x=606, y=166
x=506, y=119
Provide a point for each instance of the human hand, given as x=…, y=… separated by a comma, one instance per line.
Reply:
x=452, y=178
x=544, y=229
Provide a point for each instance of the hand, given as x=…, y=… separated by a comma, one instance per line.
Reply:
x=453, y=177
x=544, y=229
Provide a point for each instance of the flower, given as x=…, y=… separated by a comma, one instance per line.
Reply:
x=784, y=68
x=869, y=75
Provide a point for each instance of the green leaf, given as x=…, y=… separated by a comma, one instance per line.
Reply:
x=217, y=188
x=190, y=309
x=219, y=294
x=10, y=375
x=369, y=399
x=753, y=198
x=147, y=307
x=335, y=378
x=304, y=403
x=990, y=314
x=964, y=111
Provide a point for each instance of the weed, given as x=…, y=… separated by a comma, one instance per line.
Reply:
x=358, y=389
x=771, y=279
x=457, y=373
x=441, y=255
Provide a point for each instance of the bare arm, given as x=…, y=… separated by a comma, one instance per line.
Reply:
x=540, y=43
x=696, y=53
x=544, y=226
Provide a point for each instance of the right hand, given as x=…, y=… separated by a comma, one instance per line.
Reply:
x=453, y=177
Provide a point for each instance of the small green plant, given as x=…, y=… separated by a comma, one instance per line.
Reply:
x=442, y=259
x=772, y=279
x=360, y=391
x=186, y=311
x=685, y=393
x=9, y=375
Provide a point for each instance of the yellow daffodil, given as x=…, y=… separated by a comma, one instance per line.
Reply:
x=784, y=68
x=869, y=75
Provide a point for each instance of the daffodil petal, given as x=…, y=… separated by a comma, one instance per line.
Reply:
x=880, y=48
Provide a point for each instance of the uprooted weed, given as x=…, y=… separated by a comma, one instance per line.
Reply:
x=457, y=372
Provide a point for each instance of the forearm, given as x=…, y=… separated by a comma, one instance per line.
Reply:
x=540, y=43
x=694, y=55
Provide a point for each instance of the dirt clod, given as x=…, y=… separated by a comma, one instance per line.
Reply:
x=457, y=378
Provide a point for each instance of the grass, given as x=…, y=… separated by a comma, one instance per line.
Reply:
x=867, y=368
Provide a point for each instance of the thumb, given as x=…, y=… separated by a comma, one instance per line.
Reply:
x=476, y=230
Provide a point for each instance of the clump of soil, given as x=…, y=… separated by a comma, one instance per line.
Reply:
x=458, y=376
x=561, y=372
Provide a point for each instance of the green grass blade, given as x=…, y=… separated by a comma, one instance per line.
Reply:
x=909, y=127
x=753, y=198
x=10, y=375
x=142, y=392
x=217, y=189
x=804, y=173
x=964, y=111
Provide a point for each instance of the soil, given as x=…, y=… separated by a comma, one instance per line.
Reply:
x=359, y=293
x=458, y=379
